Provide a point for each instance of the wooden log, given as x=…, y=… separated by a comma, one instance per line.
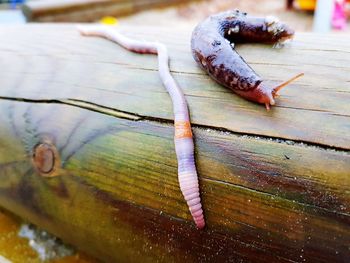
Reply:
x=275, y=185
x=87, y=10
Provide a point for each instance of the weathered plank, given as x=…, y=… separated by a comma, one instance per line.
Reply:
x=314, y=109
x=281, y=196
x=87, y=10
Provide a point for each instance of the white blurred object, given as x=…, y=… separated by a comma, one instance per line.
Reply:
x=46, y=245
x=11, y=17
x=323, y=16
x=4, y=260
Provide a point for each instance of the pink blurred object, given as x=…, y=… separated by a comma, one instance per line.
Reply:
x=339, y=15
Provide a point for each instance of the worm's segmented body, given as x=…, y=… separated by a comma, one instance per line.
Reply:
x=213, y=48
x=184, y=146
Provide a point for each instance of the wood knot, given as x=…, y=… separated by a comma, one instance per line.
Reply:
x=46, y=159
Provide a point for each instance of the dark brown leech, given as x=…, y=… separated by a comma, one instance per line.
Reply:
x=213, y=48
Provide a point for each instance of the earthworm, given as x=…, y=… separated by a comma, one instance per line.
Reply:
x=212, y=47
x=184, y=146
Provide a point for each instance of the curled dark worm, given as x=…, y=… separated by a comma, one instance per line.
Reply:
x=183, y=140
x=213, y=48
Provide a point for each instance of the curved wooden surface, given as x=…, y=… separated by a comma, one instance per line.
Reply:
x=275, y=185
x=87, y=10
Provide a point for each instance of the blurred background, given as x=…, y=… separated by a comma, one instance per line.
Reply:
x=303, y=15
x=21, y=242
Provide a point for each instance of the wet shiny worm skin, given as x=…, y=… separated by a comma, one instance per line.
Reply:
x=212, y=46
x=187, y=173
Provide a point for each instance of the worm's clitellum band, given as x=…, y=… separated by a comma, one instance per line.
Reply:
x=184, y=146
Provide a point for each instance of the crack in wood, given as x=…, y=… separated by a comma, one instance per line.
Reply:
x=324, y=50
x=318, y=110
x=137, y=117
x=81, y=104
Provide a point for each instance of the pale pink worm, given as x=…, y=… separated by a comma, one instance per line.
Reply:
x=183, y=140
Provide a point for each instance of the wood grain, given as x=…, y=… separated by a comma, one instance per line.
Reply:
x=275, y=185
x=88, y=10
x=315, y=109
